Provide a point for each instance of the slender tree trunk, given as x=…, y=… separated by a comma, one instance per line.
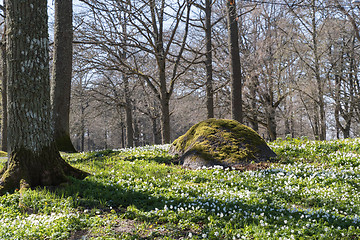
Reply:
x=165, y=120
x=61, y=74
x=319, y=82
x=4, y=123
x=129, y=116
x=128, y=108
x=208, y=62
x=337, y=106
x=33, y=153
x=165, y=102
x=316, y=124
x=136, y=133
x=82, y=128
x=235, y=66
x=122, y=135
x=253, y=103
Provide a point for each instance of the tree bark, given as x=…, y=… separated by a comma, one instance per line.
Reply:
x=33, y=153
x=4, y=134
x=165, y=120
x=208, y=62
x=235, y=66
x=61, y=74
x=271, y=123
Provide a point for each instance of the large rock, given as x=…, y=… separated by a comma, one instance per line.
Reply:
x=221, y=142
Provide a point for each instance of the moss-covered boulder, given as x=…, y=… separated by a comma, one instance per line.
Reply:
x=221, y=142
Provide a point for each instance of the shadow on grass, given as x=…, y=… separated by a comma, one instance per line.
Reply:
x=104, y=154
x=89, y=194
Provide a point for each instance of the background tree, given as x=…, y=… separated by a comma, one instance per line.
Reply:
x=61, y=74
x=33, y=153
x=150, y=37
x=235, y=66
x=208, y=61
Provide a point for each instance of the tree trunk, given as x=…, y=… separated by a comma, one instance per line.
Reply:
x=208, y=62
x=129, y=116
x=155, y=130
x=4, y=135
x=254, y=123
x=235, y=66
x=128, y=108
x=319, y=82
x=82, y=129
x=33, y=153
x=61, y=75
x=136, y=133
x=271, y=123
x=165, y=120
x=122, y=135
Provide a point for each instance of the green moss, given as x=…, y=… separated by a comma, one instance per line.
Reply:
x=220, y=140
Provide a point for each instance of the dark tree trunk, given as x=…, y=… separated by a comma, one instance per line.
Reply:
x=208, y=62
x=136, y=134
x=235, y=66
x=61, y=75
x=4, y=134
x=319, y=81
x=122, y=136
x=155, y=130
x=33, y=153
x=128, y=104
x=165, y=120
x=271, y=123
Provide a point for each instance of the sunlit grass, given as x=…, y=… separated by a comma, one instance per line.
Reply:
x=139, y=194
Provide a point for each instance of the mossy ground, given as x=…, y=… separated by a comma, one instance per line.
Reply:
x=220, y=140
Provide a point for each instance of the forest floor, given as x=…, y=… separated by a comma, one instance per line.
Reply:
x=313, y=192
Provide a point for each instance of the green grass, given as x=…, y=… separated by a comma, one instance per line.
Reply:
x=313, y=193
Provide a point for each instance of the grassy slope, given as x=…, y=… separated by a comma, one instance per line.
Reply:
x=135, y=194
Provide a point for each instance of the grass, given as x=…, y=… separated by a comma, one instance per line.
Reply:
x=313, y=193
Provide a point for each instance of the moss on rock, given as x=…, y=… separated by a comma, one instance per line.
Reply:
x=220, y=142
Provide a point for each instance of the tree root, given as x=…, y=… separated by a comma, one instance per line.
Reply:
x=47, y=168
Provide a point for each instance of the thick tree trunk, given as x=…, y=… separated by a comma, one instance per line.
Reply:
x=61, y=75
x=33, y=153
x=4, y=134
x=208, y=62
x=235, y=66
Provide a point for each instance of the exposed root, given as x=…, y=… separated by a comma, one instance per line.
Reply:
x=44, y=169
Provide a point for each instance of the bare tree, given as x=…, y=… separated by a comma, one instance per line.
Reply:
x=149, y=37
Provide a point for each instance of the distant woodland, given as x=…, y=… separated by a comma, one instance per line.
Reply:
x=144, y=71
